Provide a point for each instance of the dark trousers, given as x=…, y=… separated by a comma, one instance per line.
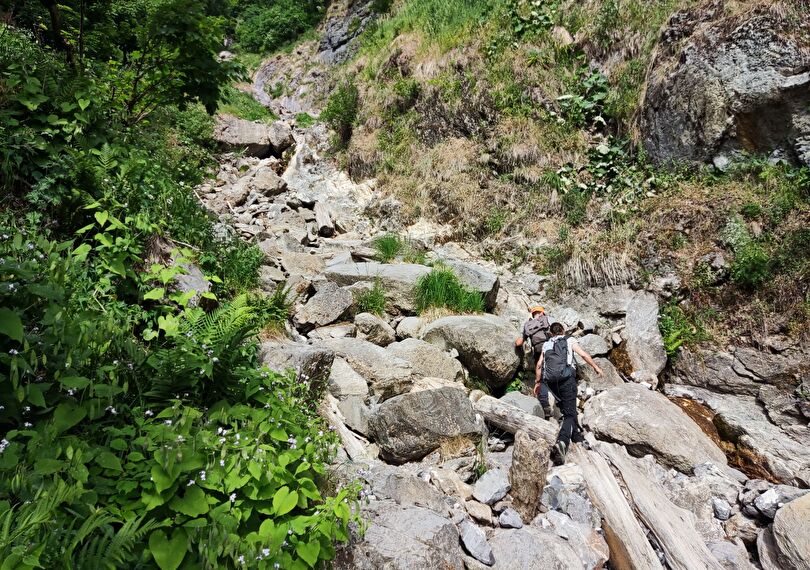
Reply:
x=565, y=392
x=543, y=396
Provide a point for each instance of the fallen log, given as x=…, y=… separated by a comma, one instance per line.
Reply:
x=323, y=220
x=629, y=547
x=511, y=418
x=672, y=526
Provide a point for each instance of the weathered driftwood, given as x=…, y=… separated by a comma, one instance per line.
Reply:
x=351, y=443
x=629, y=547
x=512, y=419
x=672, y=526
x=323, y=220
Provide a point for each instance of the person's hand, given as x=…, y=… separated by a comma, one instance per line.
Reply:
x=599, y=372
x=518, y=342
x=536, y=389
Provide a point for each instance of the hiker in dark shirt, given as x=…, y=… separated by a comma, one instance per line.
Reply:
x=556, y=368
x=536, y=330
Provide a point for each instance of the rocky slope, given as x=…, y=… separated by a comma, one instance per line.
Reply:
x=704, y=464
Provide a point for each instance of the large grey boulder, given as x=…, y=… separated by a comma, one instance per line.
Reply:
x=594, y=345
x=326, y=306
x=310, y=363
x=531, y=547
x=730, y=555
x=475, y=542
x=386, y=374
x=476, y=278
x=373, y=329
x=409, y=426
x=610, y=376
x=492, y=486
x=410, y=327
x=645, y=421
x=528, y=404
x=427, y=360
x=723, y=83
x=256, y=139
x=351, y=391
x=791, y=531
x=485, y=345
x=589, y=545
x=397, y=280
x=405, y=538
x=527, y=474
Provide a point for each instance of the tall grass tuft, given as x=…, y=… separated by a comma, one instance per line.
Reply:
x=372, y=300
x=442, y=288
x=388, y=247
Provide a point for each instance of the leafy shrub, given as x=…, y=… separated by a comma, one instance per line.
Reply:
x=388, y=247
x=752, y=265
x=304, y=120
x=531, y=17
x=751, y=210
x=240, y=263
x=341, y=111
x=381, y=6
x=441, y=288
x=679, y=328
x=585, y=105
x=265, y=28
x=371, y=300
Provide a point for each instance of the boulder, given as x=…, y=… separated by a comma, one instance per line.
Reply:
x=724, y=83
x=645, y=421
x=594, y=345
x=373, y=329
x=333, y=331
x=266, y=182
x=410, y=327
x=397, y=280
x=730, y=555
x=791, y=532
x=311, y=364
x=255, y=139
x=485, y=345
x=510, y=518
x=566, y=491
x=531, y=547
x=769, y=502
x=528, y=404
x=386, y=374
x=475, y=543
x=407, y=490
x=326, y=306
x=527, y=474
x=304, y=264
x=589, y=545
x=409, y=426
x=476, y=278
x=450, y=483
x=492, y=486
x=479, y=512
x=405, y=538
x=609, y=379
x=427, y=360
x=344, y=381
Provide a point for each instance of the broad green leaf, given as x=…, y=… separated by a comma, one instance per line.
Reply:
x=117, y=267
x=154, y=294
x=109, y=461
x=11, y=325
x=161, y=479
x=279, y=434
x=67, y=415
x=48, y=466
x=168, y=553
x=83, y=104
x=193, y=503
x=308, y=551
x=101, y=217
x=75, y=382
x=35, y=395
x=284, y=501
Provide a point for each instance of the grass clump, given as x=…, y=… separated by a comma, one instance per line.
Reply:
x=372, y=300
x=244, y=106
x=442, y=288
x=304, y=120
x=388, y=247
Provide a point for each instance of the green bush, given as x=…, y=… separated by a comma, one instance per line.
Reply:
x=304, y=120
x=751, y=267
x=388, y=247
x=341, y=111
x=244, y=106
x=371, y=300
x=441, y=288
x=678, y=328
x=266, y=28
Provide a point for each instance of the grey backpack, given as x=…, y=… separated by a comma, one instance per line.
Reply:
x=537, y=330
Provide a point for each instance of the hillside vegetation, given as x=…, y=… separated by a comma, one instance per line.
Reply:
x=515, y=123
x=138, y=427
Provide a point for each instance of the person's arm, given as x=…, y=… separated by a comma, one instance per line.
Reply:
x=538, y=375
x=587, y=358
x=519, y=341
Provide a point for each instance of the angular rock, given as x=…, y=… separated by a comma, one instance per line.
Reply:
x=492, y=486
x=722, y=510
x=566, y=491
x=373, y=329
x=256, y=139
x=311, y=363
x=410, y=327
x=791, y=531
x=408, y=490
x=397, y=280
x=769, y=502
x=531, y=547
x=328, y=305
x=279, y=133
x=344, y=381
x=386, y=374
x=427, y=360
x=450, y=483
x=266, y=182
x=730, y=555
x=475, y=542
x=333, y=331
x=527, y=475
x=510, y=518
x=476, y=278
x=479, y=512
x=409, y=426
x=589, y=545
x=304, y=264
x=767, y=550
x=406, y=538
x=594, y=345
x=645, y=421
x=528, y=404
x=609, y=379
x=485, y=345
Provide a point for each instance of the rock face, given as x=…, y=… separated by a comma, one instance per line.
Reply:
x=713, y=90
x=256, y=139
x=527, y=474
x=386, y=374
x=427, y=360
x=647, y=422
x=530, y=547
x=791, y=530
x=410, y=426
x=406, y=538
x=485, y=345
x=528, y=404
x=326, y=306
x=397, y=280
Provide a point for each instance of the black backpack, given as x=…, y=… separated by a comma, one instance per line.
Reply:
x=555, y=360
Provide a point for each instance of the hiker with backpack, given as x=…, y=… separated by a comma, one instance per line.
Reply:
x=556, y=369
x=536, y=330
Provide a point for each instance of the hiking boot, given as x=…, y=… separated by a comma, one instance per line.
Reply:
x=558, y=453
x=547, y=412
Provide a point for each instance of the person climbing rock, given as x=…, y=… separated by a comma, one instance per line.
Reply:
x=536, y=330
x=556, y=369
